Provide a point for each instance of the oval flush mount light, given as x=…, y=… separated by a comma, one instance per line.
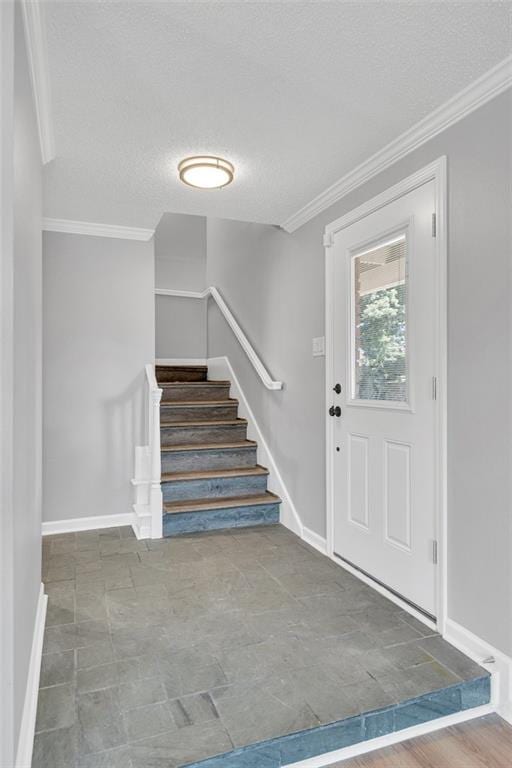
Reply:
x=206, y=172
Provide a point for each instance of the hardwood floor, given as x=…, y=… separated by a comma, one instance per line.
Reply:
x=482, y=743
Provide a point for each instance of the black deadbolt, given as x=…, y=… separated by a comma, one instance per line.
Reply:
x=337, y=389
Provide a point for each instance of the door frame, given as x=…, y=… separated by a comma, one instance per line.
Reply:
x=436, y=172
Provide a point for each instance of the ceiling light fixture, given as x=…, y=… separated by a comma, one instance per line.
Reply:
x=206, y=172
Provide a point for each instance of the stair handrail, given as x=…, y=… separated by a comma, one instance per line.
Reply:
x=155, y=459
x=244, y=342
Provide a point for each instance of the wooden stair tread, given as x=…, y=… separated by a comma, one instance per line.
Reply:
x=181, y=367
x=209, y=446
x=210, y=474
x=199, y=505
x=199, y=403
x=208, y=382
x=209, y=423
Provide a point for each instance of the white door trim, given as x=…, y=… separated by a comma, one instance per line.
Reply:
x=436, y=172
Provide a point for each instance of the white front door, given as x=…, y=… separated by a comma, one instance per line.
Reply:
x=384, y=440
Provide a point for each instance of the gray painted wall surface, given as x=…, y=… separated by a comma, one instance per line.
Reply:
x=180, y=263
x=20, y=429
x=98, y=331
x=274, y=283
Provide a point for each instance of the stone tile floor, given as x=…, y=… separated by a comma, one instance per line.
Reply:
x=162, y=653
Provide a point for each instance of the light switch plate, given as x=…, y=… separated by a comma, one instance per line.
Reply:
x=319, y=346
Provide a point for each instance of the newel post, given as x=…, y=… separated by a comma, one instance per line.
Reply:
x=155, y=489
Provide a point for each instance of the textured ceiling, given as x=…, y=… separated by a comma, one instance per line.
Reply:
x=294, y=93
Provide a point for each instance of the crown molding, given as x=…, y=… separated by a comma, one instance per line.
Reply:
x=35, y=38
x=478, y=93
x=97, y=230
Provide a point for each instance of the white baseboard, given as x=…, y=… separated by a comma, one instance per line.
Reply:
x=316, y=541
x=496, y=662
x=363, y=747
x=221, y=368
x=28, y=718
x=181, y=361
x=87, y=523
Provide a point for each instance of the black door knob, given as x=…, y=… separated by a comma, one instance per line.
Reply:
x=335, y=411
x=337, y=389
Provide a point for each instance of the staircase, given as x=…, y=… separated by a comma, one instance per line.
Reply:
x=210, y=475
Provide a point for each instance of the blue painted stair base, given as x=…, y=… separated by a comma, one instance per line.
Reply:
x=218, y=457
x=178, y=490
x=217, y=519
x=302, y=745
x=203, y=438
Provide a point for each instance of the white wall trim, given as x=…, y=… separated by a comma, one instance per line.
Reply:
x=315, y=540
x=28, y=717
x=181, y=361
x=244, y=342
x=97, y=230
x=37, y=54
x=363, y=747
x=496, y=662
x=221, y=368
x=475, y=95
x=51, y=527
x=436, y=172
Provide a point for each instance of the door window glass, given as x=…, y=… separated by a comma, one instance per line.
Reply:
x=379, y=322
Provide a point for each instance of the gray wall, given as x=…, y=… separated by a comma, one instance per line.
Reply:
x=274, y=283
x=98, y=328
x=27, y=365
x=20, y=376
x=180, y=263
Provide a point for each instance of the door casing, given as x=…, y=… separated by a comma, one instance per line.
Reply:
x=437, y=172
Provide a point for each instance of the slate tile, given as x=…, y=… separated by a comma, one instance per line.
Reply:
x=177, y=748
x=96, y=678
x=475, y=693
x=94, y=655
x=101, y=724
x=140, y=641
x=451, y=658
x=427, y=708
x=216, y=632
x=55, y=748
x=57, y=668
x=90, y=607
x=406, y=655
x=317, y=741
x=306, y=585
x=61, y=609
x=139, y=668
x=257, y=715
x=202, y=679
x=417, y=682
x=55, y=708
x=263, y=756
x=143, y=722
x=141, y=693
x=193, y=710
x=402, y=633
x=59, y=573
x=112, y=758
x=67, y=637
x=60, y=588
x=379, y=724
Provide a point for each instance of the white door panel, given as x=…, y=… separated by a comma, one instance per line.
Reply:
x=384, y=358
